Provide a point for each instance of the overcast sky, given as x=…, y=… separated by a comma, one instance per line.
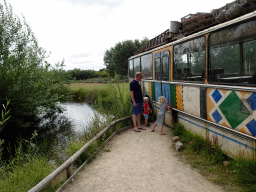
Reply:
x=80, y=31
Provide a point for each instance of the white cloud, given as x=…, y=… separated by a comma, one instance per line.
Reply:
x=73, y=27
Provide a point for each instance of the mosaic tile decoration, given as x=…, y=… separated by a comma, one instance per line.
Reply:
x=233, y=109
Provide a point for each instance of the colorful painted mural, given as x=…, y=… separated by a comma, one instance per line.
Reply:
x=233, y=109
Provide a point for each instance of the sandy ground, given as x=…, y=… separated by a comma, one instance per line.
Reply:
x=140, y=161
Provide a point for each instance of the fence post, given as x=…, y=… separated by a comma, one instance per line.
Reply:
x=69, y=172
x=130, y=122
x=114, y=127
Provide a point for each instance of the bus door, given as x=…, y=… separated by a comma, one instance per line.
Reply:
x=162, y=73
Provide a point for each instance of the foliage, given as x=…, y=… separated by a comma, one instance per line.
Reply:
x=116, y=58
x=207, y=156
x=79, y=74
x=26, y=79
x=26, y=168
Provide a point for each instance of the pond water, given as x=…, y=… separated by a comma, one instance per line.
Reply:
x=80, y=115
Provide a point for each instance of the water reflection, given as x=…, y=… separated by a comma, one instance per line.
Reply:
x=80, y=115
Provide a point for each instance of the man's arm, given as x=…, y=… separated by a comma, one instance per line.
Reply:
x=133, y=100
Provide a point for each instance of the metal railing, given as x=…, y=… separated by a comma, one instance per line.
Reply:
x=71, y=160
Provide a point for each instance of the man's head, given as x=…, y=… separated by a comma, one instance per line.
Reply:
x=138, y=76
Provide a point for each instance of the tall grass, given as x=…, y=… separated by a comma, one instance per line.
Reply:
x=114, y=102
x=26, y=168
x=207, y=156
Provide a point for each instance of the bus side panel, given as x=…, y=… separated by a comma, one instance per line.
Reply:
x=232, y=109
x=145, y=88
x=152, y=91
x=191, y=100
x=167, y=93
x=173, y=95
x=158, y=91
x=179, y=97
x=166, y=89
x=232, y=145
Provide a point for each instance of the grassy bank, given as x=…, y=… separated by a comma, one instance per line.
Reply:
x=30, y=165
x=233, y=174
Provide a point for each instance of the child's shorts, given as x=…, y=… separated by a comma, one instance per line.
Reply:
x=146, y=116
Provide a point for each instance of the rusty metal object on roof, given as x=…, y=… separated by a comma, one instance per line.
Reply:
x=221, y=16
x=235, y=10
x=175, y=26
x=193, y=23
x=196, y=20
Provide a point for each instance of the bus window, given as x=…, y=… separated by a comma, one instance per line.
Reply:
x=131, y=74
x=249, y=64
x=165, y=61
x=189, y=60
x=136, y=65
x=147, y=66
x=157, y=68
x=224, y=62
x=232, y=55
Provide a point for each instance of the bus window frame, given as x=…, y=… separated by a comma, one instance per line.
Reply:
x=240, y=42
x=205, y=61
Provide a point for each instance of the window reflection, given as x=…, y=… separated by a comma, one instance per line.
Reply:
x=147, y=66
x=189, y=60
x=232, y=55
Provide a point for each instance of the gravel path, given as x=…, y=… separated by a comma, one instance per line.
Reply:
x=142, y=161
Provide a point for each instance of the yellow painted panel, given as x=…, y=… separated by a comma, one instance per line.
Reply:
x=243, y=93
x=150, y=89
x=243, y=130
x=224, y=91
x=179, y=97
x=225, y=124
x=209, y=104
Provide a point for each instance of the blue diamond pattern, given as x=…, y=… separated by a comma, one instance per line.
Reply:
x=252, y=101
x=216, y=95
x=217, y=117
x=252, y=127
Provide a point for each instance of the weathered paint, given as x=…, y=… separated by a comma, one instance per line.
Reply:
x=166, y=93
x=153, y=91
x=158, y=91
x=179, y=97
x=173, y=96
x=203, y=112
x=230, y=144
x=150, y=89
x=191, y=100
x=145, y=88
x=233, y=109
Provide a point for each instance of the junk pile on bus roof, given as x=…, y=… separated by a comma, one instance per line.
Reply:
x=192, y=23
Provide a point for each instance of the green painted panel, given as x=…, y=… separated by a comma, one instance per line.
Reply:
x=234, y=110
x=173, y=96
x=153, y=91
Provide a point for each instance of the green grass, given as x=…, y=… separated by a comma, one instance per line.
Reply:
x=27, y=168
x=208, y=158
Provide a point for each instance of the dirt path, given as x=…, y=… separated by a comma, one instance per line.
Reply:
x=141, y=161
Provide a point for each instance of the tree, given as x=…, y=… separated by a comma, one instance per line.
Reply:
x=26, y=79
x=116, y=58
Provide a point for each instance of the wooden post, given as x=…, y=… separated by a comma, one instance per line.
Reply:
x=69, y=172
x=114, y=127
x=130, y=122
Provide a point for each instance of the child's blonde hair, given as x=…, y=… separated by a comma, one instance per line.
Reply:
x=145, y=98
x=161, y=99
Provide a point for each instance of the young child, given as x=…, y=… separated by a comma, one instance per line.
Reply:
x=146, y=110
x=160, y=116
